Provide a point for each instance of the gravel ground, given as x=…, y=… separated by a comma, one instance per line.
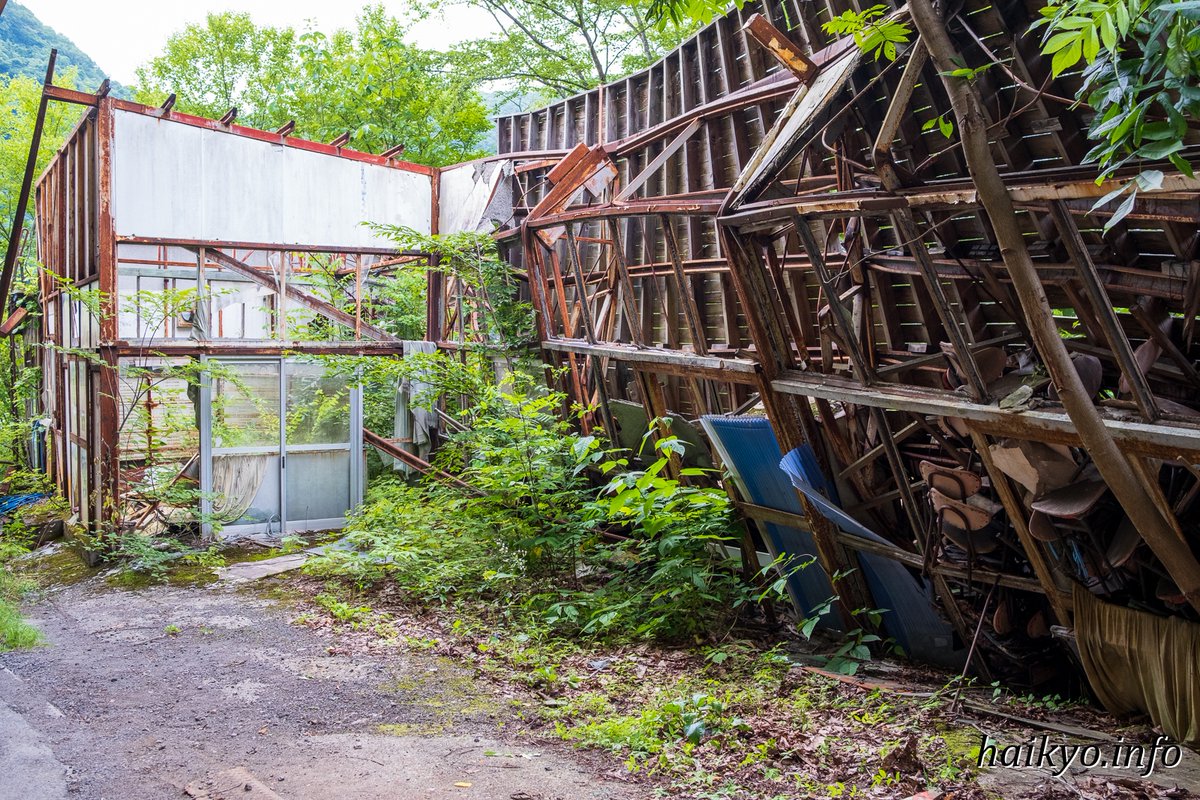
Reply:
x=239, y=702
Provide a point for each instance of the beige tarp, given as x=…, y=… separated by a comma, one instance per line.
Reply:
x=1137, y=662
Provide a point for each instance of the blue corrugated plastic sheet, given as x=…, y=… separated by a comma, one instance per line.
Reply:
x=751, y=452
x=12, y=502
x=911, y=618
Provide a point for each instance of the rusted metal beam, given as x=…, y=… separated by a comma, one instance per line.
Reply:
x=270, y=247
x=388, y=447
x=667, y=361
x=657, y=163
x=189, y=348
x=296, y=293
x=563, y=167
x=14, y=320
x=64, y=95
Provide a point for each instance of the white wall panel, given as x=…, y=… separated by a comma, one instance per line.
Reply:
x=176, y=181
x=465, y=194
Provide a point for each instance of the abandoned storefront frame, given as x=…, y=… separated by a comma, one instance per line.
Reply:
x=133, y=217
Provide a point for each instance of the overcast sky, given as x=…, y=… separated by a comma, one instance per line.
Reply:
x=120, y=35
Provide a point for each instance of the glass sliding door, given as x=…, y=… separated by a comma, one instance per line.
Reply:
x=318, y=473
x=246, y=457
x=281, y=439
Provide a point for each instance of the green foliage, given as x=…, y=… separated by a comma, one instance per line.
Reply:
x=684, y=720
x=385, y=92
x=531, y=541
x=685, y=12
x=856, y=644
x=419, y=540
x=368, y=82
x=672, y=578
x=228, y=62
x=1141, y=66
x=942, y=123
x=873, y=30
x=504, y=324
x=19, y=99
x=15, y=632
x=156, y=558
x=341, y=610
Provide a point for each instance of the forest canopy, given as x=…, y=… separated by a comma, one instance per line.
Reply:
x=382, y=89
x=369, y=83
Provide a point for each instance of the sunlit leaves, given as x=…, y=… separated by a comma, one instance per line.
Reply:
x=1080, y=28
x=370, y=83
x=1140, y=76
x=874, y=32
x=683, y=12
x=942, y=123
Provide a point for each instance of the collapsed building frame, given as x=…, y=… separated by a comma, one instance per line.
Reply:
x=766, y=220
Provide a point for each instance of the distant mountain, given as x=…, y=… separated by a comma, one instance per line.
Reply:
x=25, y=45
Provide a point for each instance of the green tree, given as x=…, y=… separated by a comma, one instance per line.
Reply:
x=559, y=47
x=1141, y=71
x=385, y=92
x=226, y=62
x=19, y=99
x=368, y=82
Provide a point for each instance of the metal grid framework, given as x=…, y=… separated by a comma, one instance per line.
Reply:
x=767, y=216
x=106, y=262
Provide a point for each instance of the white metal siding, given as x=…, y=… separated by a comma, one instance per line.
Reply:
x=176, y=181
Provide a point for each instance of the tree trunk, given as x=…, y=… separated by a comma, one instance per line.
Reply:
x=1134, y=496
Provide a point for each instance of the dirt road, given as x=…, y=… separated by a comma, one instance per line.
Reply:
x=211, y=692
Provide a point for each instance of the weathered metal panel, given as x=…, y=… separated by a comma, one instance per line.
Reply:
x=172, y=180
x=470, y=197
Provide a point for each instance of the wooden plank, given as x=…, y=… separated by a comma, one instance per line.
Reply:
x=781, y=47
x=568, y=163
x=1158, y=440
